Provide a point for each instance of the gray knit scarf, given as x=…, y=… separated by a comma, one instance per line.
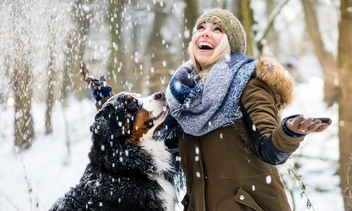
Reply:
x=213, y=103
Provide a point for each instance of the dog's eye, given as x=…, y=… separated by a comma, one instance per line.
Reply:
x=149, y=123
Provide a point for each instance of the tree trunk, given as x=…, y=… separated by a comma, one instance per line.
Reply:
x=272, y=35
x=261, y=36
x=70, y=53
x=50, y=83
x=73, y=54
x=74, y=49
x=344, y=99
x=160, y=58
x=247, y=20
x=191, y=13
x=24, y=125
x=326, y=59
x=118, y=59
x=22, y=80
x=49, y=96
x=81, y=13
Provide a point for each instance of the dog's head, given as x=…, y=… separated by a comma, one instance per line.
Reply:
x=123, y=123
x=130, y=116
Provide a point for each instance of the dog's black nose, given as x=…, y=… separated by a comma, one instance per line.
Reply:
x=159, y=96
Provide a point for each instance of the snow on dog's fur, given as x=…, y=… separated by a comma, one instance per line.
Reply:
x=128, y=169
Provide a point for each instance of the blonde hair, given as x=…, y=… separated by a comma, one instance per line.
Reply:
x=219, y=53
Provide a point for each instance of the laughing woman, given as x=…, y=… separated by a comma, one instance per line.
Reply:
x=227, y=106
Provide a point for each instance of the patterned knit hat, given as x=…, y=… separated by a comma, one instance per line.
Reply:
x=232, y=26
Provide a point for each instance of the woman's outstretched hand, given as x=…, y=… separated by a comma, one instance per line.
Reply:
x=302, y=125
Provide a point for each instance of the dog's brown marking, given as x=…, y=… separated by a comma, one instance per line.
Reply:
x=140, y=126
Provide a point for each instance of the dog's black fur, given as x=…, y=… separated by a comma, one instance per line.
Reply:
x=118, y=176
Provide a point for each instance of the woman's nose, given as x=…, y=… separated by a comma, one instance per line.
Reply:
x=205, y=34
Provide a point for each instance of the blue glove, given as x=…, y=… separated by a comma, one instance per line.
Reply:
x=182, y=84
x=101, y=92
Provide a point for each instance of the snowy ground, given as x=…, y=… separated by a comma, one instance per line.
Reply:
x=37, y=177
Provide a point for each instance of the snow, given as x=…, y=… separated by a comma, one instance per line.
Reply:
x=36, y=178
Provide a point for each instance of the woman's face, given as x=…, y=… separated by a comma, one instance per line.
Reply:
x=205, y=40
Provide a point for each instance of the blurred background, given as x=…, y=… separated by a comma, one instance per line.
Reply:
x=138, y=44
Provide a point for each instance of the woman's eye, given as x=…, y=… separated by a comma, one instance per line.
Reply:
x=200, y=27
x=218, y=29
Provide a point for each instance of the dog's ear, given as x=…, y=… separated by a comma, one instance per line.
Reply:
x=119, y=112
x=100, y=130
x=103, y=130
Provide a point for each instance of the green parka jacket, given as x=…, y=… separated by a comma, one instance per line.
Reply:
x=223, y=171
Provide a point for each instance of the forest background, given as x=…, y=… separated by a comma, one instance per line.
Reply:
x=138, y=44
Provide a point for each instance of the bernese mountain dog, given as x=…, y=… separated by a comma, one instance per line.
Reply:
x=128, y=170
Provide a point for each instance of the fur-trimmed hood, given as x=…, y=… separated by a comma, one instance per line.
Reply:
x=278, y=78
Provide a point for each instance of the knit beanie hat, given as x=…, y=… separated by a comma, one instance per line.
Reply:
x=232, y=26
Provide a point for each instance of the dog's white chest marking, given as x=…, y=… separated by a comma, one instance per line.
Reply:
x=168, y=192
x=162, y=160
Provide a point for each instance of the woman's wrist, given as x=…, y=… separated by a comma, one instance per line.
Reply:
x=287, y=130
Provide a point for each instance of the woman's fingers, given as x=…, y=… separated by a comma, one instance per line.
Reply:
x=302, y=125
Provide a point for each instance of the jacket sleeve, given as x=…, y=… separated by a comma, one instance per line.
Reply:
x=271, y=143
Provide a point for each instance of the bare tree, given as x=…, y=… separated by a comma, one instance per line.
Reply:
x=51, y=74
x=191, y=13
x=344, y=97
x=263, y=35
x=246, y=17
x=160, y=58
x=21, y=78
x=81, y=14
x=74, y=50
x=326, y=59
x=119, y=62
